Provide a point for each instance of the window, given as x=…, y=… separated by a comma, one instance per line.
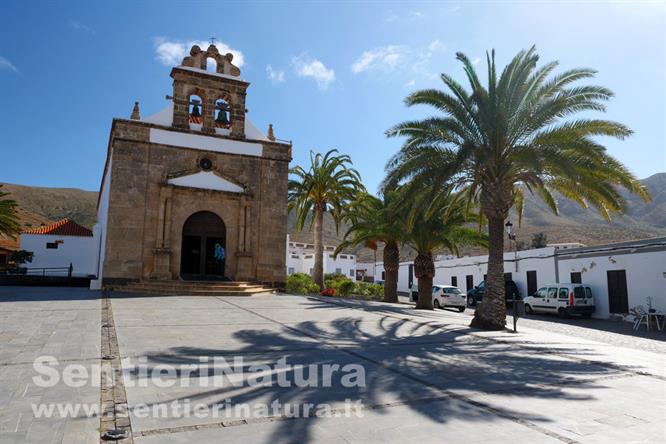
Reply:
x=469, y=281
x=564, y=293
x=196, y=116
x=541, y=293
x=290, y=271
x=508, y=276
x=576, y=278
x=383, y=275
x=351, y=273
x=343, y=256
x=52, y=245
x=454, y=281
x=222, y=114
x=552, y=293
x=531, y=282
x=331, y=256
x=294, y=256
x=338, y=271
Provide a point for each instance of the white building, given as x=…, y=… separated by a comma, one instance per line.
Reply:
x=621, y=275
x=58, y=245
x=300, y=259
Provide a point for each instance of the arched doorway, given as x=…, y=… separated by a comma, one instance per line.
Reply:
x=203, y=251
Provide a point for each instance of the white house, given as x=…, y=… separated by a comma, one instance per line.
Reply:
x=58, y=245
x=621, y=275
x=300, y=259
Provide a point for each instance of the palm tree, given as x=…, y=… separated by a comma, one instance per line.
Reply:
x=378, y=219
x=437, y=220
x=9, y=221
x=329, y=184
x=514, y=135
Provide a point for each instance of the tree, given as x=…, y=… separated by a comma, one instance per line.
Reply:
x=378, y=219
x=21, y=257
x=437, y=220
x=329, y=184
x=10, y=224
x=539, y=240
x=517, y=133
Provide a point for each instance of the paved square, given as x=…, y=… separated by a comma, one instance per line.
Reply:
x=428, y=377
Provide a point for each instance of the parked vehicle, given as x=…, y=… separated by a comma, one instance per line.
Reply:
x=475, y=295
x=443, y=296
x=562, y=299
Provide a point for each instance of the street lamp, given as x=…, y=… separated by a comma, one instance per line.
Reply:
x=512, y=237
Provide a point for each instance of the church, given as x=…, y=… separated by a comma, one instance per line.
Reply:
x=194, y=192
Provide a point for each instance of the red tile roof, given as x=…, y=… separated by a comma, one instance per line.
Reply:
x=64, y=227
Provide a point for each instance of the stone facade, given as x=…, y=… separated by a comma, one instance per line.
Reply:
x=147, y=212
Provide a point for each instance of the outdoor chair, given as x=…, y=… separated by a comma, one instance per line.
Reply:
x=640, y=316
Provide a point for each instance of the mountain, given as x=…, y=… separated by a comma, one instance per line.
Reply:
x=573, y=224
x=56, y=203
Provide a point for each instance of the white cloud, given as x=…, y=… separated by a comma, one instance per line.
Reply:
x=80, y=26
x=383, y=57
x=171, y=52
x=273, y=75
x=435, y=45
x=313, y=68
x=476, y=60
x=390, y=16
x=416, y=14
x=7, y=65
x=410, y=83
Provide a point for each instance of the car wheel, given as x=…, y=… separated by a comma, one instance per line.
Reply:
x=415, y=296
x=436, y=304
x=470, y=301
x=461, y=309
x=528, y=309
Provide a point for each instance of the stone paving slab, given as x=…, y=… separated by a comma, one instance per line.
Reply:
x=437, y=422
x=60, y=322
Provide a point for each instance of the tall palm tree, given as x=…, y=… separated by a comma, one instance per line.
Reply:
x=9, y=221
x=437, y=220
x=373, y=220
x=519, y=133
x=329, y=184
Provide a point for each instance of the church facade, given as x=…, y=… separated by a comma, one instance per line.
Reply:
x=194, y=191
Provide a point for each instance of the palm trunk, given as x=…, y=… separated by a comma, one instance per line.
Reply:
x=391, y=266
x=491, y=312
x=318, y=271
x=424, y=269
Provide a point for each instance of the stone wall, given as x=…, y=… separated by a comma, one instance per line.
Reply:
x=146, y=215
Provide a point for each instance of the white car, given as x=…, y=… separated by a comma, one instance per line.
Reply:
x=443, y=296
x=562, y=300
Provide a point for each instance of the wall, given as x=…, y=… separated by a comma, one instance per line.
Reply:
x=302, y=260
x=644, y=271
x=80, y=251
x=540, y=260
x=100, y=230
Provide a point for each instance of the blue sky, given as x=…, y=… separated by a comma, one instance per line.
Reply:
x=326, y=74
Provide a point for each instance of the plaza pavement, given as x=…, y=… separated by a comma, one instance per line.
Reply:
x=428, y=377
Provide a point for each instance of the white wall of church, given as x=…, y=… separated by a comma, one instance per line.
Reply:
x=79, y=251
x=99, y=231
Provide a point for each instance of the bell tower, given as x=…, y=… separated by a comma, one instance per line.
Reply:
x=206, y=101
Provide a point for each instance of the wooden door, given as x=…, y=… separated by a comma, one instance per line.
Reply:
x=618, y=298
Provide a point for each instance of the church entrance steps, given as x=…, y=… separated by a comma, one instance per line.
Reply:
x=198, y=288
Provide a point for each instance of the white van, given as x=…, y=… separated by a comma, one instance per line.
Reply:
x=561, y=299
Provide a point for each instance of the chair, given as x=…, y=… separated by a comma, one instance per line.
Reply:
x=640, y=315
